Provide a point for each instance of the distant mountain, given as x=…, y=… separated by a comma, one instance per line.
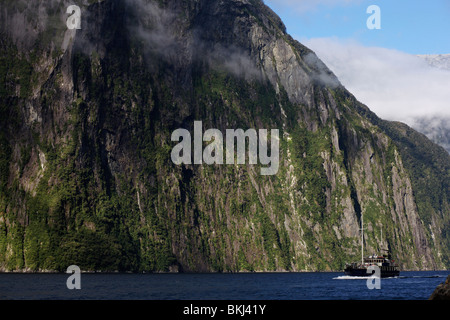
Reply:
x=436, y=127
x=441, y=61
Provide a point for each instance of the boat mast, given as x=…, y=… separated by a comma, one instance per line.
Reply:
x=362, y=240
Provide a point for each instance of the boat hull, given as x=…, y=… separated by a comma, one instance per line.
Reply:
x=362, y=272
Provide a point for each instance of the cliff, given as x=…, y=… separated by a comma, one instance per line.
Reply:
x=86, y=175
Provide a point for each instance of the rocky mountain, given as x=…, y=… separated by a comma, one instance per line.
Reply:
x=87, y=118
x=441, y=61
x=436, y=127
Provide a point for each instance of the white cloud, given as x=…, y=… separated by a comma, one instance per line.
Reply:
x=393, y=84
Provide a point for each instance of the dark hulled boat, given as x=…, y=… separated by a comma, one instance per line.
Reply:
x=388, y=267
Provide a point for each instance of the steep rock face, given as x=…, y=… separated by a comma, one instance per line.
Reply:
x=86, y=169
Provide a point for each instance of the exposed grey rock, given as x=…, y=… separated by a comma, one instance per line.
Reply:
x=136, y=71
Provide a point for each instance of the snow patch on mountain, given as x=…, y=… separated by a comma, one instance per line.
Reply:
x=441, y=61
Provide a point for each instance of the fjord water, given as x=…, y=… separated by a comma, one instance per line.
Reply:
x=244, y=286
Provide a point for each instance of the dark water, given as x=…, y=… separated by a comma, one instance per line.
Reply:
x=252, y=286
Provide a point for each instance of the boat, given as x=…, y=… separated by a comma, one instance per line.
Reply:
x=364, y=268
x=388, y=267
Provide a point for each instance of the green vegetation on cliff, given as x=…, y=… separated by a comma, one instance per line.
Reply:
x=86, y=175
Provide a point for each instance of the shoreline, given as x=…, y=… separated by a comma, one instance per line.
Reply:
x=193, y=272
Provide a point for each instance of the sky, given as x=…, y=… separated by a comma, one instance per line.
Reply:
x=411, y=26
x=379, y=66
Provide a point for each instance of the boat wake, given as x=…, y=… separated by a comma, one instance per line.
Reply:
x=345, y=277
x=351, y=278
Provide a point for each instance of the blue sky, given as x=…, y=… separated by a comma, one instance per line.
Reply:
x=411, y=26
x=379, y=67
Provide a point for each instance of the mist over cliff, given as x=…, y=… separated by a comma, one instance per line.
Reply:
x=395, y=85
x=86, y=120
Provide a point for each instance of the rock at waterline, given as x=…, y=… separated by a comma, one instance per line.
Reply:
x=442, y=291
